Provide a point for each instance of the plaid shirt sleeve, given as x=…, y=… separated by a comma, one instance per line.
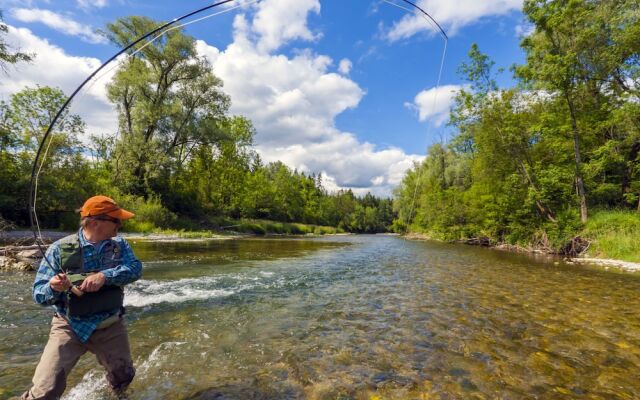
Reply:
x=42, y=292
x=129, y=271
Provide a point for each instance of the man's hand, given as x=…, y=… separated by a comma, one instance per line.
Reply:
x=60, y=282
x=93, y=282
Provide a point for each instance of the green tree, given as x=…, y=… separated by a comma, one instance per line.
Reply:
x=7, y=55
x=66, y=178
x=169, y=103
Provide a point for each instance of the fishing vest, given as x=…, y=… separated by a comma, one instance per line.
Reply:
x=108, y=298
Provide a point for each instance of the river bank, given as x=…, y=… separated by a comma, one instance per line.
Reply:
x=585, y=258
x=19, y=253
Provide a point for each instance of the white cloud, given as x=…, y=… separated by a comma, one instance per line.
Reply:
x=346, y=163
x=451, y=15
x=524, y=30
x=58, y=22
x=293, y=102
x=434, y=104
x=278, y=21
x=87, y=4
x=53, y=67
x=345, y=66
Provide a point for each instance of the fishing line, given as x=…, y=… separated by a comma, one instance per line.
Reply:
x=159, y=32
x=33, y=217
x=129, y=56
x=434, y=24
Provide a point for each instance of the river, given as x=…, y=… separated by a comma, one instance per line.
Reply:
x=353, y=317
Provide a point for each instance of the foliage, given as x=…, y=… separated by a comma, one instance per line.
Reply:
x=23, y=121
x=179, y=160
x=614, y=234
x=528, y=162
x=7, y=56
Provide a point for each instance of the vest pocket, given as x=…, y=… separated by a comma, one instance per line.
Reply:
x=108, y=298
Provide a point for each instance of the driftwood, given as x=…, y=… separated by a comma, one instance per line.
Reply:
x=479, y=241
x=17, y=249
x=577, y=246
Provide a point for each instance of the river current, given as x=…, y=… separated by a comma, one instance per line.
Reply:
x=352, y=317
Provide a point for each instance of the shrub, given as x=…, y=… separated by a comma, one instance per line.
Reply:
x=150, y=213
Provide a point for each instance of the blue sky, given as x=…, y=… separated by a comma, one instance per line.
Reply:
x=342, y=88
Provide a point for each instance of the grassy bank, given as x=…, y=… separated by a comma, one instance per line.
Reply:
x=614, y=234
x=216, y=227
x=610, y=234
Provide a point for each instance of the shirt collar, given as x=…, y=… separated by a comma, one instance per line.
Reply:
x=83, y=241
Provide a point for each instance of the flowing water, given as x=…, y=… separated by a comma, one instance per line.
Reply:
x=356, y=317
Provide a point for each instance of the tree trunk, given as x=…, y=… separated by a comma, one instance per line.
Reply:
x=544, y=210
x=576, y=147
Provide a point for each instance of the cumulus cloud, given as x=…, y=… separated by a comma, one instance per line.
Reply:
x=293, y=102
x=452, y=15
x=279, y=21
x=434, y=104
x=58, y=22
x=345, y=66
x=344, y=162
x=53, y=67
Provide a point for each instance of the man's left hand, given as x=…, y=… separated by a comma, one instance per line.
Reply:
x=93, y=282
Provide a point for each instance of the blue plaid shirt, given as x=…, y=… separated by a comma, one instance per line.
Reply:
x=118, y=266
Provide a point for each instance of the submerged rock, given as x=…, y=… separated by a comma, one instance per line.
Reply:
x=20, y=258
x=8, y=263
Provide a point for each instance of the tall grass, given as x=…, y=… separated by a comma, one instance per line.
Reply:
x=265, y=227
x=614, y=234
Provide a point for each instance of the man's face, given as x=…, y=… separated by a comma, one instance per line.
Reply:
x=104, y=227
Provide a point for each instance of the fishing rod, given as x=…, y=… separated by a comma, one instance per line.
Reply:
x=33, y=216
x=160, y=30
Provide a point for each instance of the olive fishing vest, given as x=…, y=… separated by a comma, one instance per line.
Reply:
x=108, y=298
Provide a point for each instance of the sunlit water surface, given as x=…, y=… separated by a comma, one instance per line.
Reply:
x=353, y=318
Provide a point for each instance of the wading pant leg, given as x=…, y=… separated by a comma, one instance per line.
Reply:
x=58, y=358
x=111, y=347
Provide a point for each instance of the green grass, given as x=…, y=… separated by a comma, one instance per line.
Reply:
x=229, y=227
x=614, y=234
x=265, y=227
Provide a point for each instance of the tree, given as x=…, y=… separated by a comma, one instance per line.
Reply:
x=169, y=103
x=6, y=54
x=66, y=177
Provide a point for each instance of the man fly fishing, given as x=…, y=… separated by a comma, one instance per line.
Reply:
x=82, y=276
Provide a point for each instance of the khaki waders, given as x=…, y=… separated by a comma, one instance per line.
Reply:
x=110, y=345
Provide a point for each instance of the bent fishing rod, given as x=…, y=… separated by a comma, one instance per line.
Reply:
x=160, y=30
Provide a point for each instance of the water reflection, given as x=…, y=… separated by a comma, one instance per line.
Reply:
x=354, y=317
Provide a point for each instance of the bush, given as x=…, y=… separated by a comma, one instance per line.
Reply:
x=324, y=230
x=69, y=221
x=150, y=213
x=251, y=227
x=134, y=225
x=298, y=229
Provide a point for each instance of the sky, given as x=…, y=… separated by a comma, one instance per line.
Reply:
x=348, y=89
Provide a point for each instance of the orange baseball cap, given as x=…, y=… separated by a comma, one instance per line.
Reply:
x=103, y=205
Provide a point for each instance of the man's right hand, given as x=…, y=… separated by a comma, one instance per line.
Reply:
x=60, y=282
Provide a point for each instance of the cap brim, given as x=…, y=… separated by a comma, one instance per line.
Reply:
x=121, y=214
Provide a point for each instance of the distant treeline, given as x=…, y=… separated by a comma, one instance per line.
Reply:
x=530, y=164
x=179, y=159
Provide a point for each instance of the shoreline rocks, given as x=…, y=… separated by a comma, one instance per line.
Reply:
x=12, y=262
